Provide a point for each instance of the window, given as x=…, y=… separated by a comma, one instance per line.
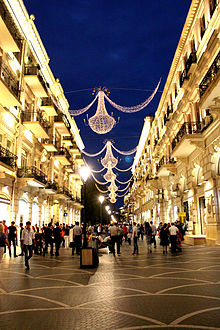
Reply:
x=212, y=5
x=8, y=144
x=23, y=158
x=202, y=26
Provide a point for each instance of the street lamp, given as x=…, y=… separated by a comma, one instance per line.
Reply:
x=101, y=199
x=84, y=174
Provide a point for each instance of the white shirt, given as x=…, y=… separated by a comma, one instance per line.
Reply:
x=27, y=236
x=173, y=230
x=135, y=232
x=77, y=231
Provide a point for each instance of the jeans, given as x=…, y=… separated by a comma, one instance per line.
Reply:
x=135, y=245
x=27, y=253
x=115, y=239
x=78, y=243
x=12, y=240
x=47, y=243
x=57, y=247
x=173, y=242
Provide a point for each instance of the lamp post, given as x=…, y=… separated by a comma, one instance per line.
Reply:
x=101, y=199
x=84, y=174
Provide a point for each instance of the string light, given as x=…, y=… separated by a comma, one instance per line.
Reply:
x=126, y=153
x=109, y=175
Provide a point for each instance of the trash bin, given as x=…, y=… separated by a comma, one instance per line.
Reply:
x=89, y=258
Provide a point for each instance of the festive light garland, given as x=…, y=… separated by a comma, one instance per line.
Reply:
x=128, y=169
x=97, y=181
x=126, y=153
x=133, y=108
x=120, y=196
x=94, y=155
x=121, y=190
x=113, y=186
x=109, y=159
x=123, y=182
x=81, y=111
x=102, y=122
x=101, y=191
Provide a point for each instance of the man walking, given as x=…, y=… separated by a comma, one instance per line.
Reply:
x=115, y=238
x=173, y=236
x=154, y=232
x=12, y=237
x=57, y=238
x=77, y=237
x=135, y=238
x=27, y=239
x=48, y=232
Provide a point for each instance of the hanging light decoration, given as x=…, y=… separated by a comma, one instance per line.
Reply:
x=109, y=159
x=102, y=122
x=109, y=175
x=113, y=187
x=113, y=200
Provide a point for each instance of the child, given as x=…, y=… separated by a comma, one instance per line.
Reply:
x=129, y=238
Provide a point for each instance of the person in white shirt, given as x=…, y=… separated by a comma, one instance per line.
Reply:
x=135, y=237
x=27, y=240
x=154, y=233
x=77, y=237
x=173, y=236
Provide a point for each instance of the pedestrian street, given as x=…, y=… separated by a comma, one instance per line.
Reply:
x=148, y=291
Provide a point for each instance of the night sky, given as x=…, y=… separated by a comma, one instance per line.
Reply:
x=117, y=44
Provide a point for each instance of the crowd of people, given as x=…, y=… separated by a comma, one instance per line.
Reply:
x=43, y=240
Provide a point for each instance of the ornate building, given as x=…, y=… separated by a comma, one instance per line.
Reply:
x=177, y=165
x=39, y=142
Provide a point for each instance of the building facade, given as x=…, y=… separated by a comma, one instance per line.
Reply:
x=177, y=165
x=39, y=142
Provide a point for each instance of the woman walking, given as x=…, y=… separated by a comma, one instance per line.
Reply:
x=3, y=241
x=164, y=238
x=148, y=233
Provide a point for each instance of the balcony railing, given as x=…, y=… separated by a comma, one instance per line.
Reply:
x=34, y=70
x=165, y=160
x=213, y=5
x=8, y=157
x=46, y=102
x=184, y=75
x=10, y=24
x=63, y=152
x=64, y=191
x=210, y=75
x=62, y=118
x=52, y=140
x=10, y=81
x=32, y=172
x=36, y=116
x=52, y=185
x=191, y=128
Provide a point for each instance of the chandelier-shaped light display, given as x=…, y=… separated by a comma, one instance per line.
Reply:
x=113, y=200
x=112, y=195
x=113, y=187
x=109, y=175
x=109, y=159
x=102, y=122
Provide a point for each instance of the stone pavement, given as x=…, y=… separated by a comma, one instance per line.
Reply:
x=126, y=292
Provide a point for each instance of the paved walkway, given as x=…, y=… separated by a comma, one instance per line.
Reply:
x=129, y=292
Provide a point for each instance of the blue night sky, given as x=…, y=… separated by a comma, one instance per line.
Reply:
x=117, y=44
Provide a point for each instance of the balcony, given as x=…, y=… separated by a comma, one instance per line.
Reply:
x=32, y=176
x=69, y=168
x=79, y=160
x=48, y=106
x=210, y=83
x=9, y=86
x=51, y=145
x=190, y=64
x=165, y=166
x=34, y=122
x=10, y=40
x=74, y=150
x=63, y=156
x=63, y=193
x=189, y=134
x=35, y=81
x=51, y=187
x=62, y=125
x=7, y=160
x=68, y=141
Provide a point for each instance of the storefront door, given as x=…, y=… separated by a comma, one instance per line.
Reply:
x=202, y=214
